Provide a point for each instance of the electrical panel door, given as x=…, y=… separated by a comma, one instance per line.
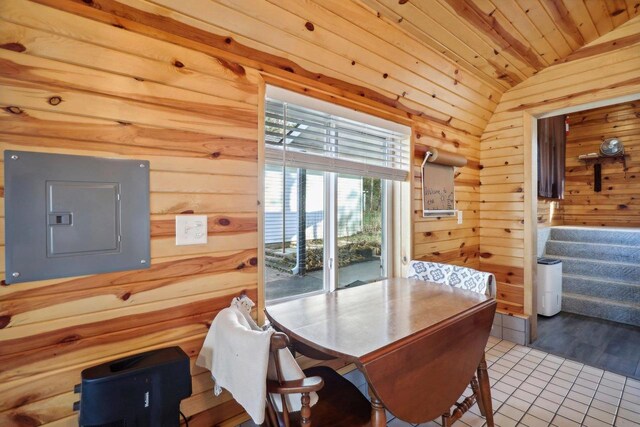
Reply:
x=74, y=215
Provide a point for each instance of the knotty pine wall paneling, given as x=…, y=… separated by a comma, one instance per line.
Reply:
x=442, y=239
x=550, y=213
x=133, y=90
x=178, y=84
x=604, y=69
x=340, y=51
x=125, y=95
x=618, y=204
x=342, y=47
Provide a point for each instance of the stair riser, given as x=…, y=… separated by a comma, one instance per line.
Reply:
x=602, y=289
x=631, y=238
x=602, y=252
x=617, y=272
x=616, y=313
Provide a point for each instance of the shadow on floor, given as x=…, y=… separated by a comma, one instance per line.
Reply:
x=601, y=343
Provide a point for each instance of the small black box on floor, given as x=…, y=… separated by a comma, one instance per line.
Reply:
x=141, y=390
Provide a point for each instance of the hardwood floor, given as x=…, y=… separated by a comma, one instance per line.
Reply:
x=601, y=343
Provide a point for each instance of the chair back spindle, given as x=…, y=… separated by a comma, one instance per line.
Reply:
x=340, y=403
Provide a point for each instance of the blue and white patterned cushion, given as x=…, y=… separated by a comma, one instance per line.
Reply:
x=453, y=275
x=469, y=279
x=429, y=271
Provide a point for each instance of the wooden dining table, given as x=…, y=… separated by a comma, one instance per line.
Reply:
x=417, y=343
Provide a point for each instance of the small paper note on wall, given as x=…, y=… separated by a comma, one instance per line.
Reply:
x=438, y=192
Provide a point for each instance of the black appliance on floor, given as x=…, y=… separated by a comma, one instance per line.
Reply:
x=143, y=390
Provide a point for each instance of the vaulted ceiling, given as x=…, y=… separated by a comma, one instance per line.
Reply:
x=444, y=61
x=506, y=40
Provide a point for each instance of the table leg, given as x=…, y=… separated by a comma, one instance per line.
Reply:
x=484, y=402
x=378, y=415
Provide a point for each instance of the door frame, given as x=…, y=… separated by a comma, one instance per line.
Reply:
x=530, y=119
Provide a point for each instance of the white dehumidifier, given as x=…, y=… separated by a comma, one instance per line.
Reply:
x=549, y=286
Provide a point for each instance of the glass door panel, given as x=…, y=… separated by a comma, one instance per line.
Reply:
x=360, y=229
x=294, y=223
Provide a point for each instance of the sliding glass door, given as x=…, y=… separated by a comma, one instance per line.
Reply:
x=327, y=181
x=323, y=231
x=361, y=234
x=294, y=232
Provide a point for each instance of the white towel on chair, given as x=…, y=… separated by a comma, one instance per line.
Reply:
x=236, y=351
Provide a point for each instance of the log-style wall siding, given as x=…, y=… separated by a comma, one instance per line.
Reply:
x=442, y=239
x=550, y=213
x=73, y=86
x=177, y=83
x=604, y=69
x=195, y=117
x=618, y=204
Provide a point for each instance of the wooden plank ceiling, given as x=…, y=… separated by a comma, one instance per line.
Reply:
x=506, y=40
x=440, y=61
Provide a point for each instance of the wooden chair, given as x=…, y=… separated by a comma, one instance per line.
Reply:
x=340, y=403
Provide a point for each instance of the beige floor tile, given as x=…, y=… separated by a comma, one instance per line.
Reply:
x=531, y=421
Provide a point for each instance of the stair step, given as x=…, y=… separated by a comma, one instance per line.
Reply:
x=602, y=288
x=609, y=235
x=618, y=271
x=600, y=308
x=601, y=251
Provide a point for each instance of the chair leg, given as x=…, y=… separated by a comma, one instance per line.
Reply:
x=476, y=392
x=446, y=420
x=484, y=392
x=305, y=411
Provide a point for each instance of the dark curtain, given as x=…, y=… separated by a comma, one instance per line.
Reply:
x=552, y=139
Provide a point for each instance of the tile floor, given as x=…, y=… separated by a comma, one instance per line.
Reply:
x=532, y=388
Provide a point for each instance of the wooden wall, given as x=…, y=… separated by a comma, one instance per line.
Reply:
x=618, y=204
x=442, y=239
x=72, y=86
x=550, y=213
x=178, y=83
x=342, y=52
x=604, y=69
x=187, y=98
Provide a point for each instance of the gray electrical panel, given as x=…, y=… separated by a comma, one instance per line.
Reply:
x=74, y=215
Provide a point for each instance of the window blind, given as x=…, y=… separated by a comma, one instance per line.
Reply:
x=297, y=136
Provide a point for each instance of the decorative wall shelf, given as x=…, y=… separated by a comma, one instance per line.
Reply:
x=618, y=157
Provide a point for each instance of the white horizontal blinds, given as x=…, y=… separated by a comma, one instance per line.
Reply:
x=301, y=137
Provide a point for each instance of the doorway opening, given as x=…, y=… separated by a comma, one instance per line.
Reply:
x=593, y=229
